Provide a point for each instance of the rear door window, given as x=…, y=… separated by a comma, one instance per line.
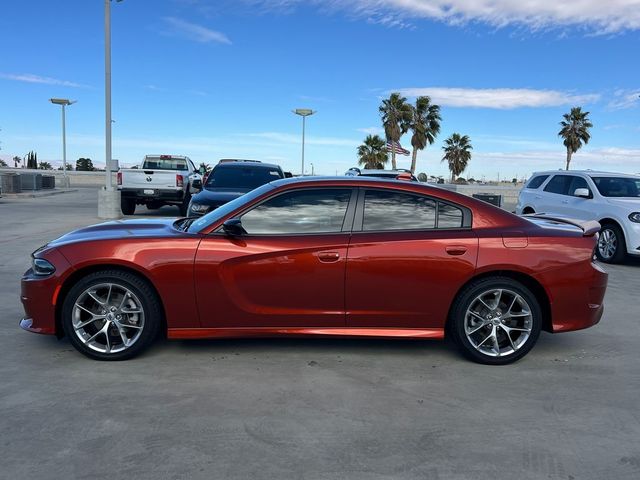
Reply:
x=559, y=184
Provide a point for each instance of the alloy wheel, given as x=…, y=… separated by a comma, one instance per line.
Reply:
x=607, y=243
x=498, y=322
x=108, y=318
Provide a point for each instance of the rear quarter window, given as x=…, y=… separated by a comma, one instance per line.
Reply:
x=536, y=181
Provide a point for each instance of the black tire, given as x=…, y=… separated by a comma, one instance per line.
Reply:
x=464, y=302
x=149, y=303
x=184, y=206
x=528, y=211
x=128, y=206
x=614, y=233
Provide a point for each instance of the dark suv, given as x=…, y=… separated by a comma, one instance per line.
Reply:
x=230, y=179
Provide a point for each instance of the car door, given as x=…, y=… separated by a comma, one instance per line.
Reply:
x=288, y=270
x=580, y=208
x=554, y=197
x=408, y=256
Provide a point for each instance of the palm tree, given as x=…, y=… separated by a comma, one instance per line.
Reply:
x=396, y=117
x=457, y=152
x=425, y=124
x=372, y=153
x=16, y=161
x=45, y=166
x=575, y=131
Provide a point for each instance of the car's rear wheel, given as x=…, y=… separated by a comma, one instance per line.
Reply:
x=128, y=206
x=496, y=321
x=111, y=315
x=528, y=211
x=611, y=246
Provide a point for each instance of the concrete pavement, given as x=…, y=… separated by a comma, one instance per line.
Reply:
x=310, y=409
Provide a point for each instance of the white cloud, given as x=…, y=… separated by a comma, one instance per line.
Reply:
x=31, y=78
x=195, y=32
x=290, y=138
x=596, y=15
x=499, y=98
x=371, y=130
x=624, y=99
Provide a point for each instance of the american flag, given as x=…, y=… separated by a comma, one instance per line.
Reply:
x=397, y=147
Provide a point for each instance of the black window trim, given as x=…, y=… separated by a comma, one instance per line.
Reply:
x=347, y=223
x=358, y=221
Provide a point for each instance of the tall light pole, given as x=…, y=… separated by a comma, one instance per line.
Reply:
x=109, y=198
x=304, y=113
x=63, y=102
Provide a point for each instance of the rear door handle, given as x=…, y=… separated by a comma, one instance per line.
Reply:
x=456, y=249
x=328, y=257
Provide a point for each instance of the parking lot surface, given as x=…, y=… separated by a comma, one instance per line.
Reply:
x=310, y=409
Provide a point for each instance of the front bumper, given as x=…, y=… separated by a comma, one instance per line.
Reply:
x=632, y=237
x=40, y=296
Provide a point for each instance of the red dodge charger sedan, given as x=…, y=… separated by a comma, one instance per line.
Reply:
x=349, y=256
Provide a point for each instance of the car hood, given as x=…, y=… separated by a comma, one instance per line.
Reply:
x=143, y=228
x=630, y=203
x=218, y=196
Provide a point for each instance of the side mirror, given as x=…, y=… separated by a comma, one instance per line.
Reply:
x=197, y=183
x=233, y=227
x=582, y=192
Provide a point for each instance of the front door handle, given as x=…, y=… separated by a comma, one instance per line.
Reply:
x=456, y=249
x=328, y=257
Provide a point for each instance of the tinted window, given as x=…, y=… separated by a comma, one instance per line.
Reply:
x=577, y=182
x=246, y=178
x=559, y=184
x=617, y=186
x=535, y=182
x=449, y=216
x=300, y=212
x=386, y=210
x=158, y=163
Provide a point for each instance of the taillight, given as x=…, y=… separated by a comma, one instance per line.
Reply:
x=119, y=177
x=179, y=180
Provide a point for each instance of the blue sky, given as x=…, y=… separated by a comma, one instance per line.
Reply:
x=213, y=79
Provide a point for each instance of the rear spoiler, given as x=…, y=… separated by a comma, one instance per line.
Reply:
x=589, y=227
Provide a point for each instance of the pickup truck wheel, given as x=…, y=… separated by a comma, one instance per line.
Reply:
x=184, y=207
x=154, y=205
x=128, y=206
x=612, y=247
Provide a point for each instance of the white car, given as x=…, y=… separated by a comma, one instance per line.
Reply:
x=613, y=199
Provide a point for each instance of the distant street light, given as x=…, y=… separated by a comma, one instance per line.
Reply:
x=63, y=102
x=304, y=113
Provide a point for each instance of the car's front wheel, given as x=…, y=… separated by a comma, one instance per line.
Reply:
x=495, y=321
x=111, y=315
x=611, y=244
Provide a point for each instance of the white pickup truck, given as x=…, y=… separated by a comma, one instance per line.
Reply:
x=159, y=180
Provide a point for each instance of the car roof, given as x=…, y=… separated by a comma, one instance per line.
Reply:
x=591, y=173
x=246, y=163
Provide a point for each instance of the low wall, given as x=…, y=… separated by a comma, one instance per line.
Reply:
x=76, y=179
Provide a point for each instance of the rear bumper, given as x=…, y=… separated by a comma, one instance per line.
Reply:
x=576, y=297
x=139, y=195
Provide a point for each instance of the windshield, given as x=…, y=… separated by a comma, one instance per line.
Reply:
x=245, y=178
x=224, y=210
x=158, y=163
x=618, y=186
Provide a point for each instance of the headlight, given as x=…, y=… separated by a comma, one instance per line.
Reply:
x=198, y=208
x=635, y=217
x=42, y=267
